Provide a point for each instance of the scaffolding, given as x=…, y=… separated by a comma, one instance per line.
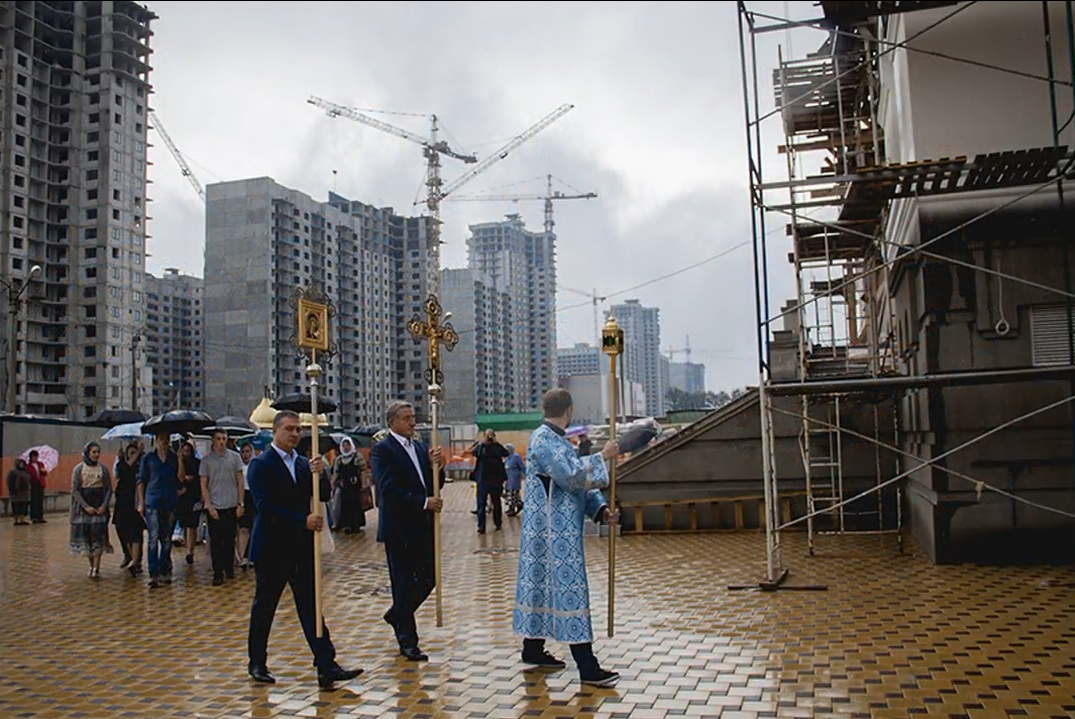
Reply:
x=836, y=194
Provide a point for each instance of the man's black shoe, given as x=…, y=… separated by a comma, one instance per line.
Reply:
x=544, y=660
x=327, y=678
x=413, y=654
x=600, y=678
x=218, y=580
x=260, y=673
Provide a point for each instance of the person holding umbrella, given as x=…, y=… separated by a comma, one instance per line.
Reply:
x=38, y=481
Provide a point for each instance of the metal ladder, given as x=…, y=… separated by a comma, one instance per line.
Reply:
x=822, y=454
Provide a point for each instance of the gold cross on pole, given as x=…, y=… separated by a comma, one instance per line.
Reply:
x=437, y=331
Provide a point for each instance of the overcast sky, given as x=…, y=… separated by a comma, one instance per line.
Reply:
x=657, y=131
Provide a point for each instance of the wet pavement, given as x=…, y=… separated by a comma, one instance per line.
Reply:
x=892, y=636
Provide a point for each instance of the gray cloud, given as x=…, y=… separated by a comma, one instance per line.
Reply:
x=657, y=131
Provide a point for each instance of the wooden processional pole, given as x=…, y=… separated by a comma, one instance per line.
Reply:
x=437, y=331
x=612, y=345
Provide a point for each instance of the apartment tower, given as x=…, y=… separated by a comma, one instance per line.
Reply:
x=74, y=90
x=522, y=263
x=263, y=241
x=174, y=339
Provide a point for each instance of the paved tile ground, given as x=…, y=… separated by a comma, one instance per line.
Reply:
x=892, y=637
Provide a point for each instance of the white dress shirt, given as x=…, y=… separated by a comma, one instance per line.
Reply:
x=289, y=460
x=408, y=446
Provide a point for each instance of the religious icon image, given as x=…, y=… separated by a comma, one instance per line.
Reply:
x=313, y=325
x=313, y=328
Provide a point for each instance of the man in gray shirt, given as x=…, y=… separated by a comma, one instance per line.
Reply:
x=222, y=495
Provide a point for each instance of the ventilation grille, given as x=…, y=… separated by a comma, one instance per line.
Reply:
x=1049, y=335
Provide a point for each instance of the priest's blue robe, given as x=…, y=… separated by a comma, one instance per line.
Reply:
x=552, y=597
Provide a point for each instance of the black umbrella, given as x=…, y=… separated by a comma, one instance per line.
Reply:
x=361, y=431
x=178, y=421
x=325, y=441
x=114, y=417
x=300, y=402
x=234, y=426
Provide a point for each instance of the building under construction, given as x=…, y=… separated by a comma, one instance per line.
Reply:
x=914, y=170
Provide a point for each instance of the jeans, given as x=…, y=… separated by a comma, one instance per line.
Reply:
x=487, y=493
x=159, y=524
x=222, y=541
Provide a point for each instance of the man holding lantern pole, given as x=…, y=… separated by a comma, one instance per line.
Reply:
x=552, y=597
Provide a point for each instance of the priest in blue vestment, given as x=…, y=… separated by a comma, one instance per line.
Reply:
x=552, y=598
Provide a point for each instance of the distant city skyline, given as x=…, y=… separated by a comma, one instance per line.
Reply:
x=636, y=143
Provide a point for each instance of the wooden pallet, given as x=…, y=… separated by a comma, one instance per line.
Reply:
x=692, y=507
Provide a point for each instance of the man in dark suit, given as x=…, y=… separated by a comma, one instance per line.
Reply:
x=403, y=473
x=282, y=549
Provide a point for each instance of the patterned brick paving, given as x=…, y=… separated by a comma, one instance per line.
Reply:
x=892, y=637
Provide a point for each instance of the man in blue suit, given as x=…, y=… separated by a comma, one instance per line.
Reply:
x=403, y=472
x=282, y=549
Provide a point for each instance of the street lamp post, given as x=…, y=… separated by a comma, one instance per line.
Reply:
x=15, y=300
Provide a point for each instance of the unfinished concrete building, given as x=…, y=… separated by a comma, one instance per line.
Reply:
x=175, y=340
x=74, y=90
x=479, y=377
x=522, y=263
x=264, y=240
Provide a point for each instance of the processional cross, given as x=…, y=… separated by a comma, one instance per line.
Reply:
x=437, y=331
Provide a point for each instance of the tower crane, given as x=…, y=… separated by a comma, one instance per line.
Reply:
x=432, y=149
x=549, y=197
x=596, y=320
x=188, y=173
x=686, y=349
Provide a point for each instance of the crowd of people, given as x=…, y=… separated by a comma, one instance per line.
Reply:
x=171, y=496
x=258, y=510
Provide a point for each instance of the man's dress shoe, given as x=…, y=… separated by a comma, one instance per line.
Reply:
x=413, y=654
x=336, y=673
x=260, y=673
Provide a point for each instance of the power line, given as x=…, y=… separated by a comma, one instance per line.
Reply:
x=696, y=265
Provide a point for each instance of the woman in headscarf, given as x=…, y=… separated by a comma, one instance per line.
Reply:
x=129, y=523
x=348, y=476
x=91, y=488
x=18, y=489
x=189, y=510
